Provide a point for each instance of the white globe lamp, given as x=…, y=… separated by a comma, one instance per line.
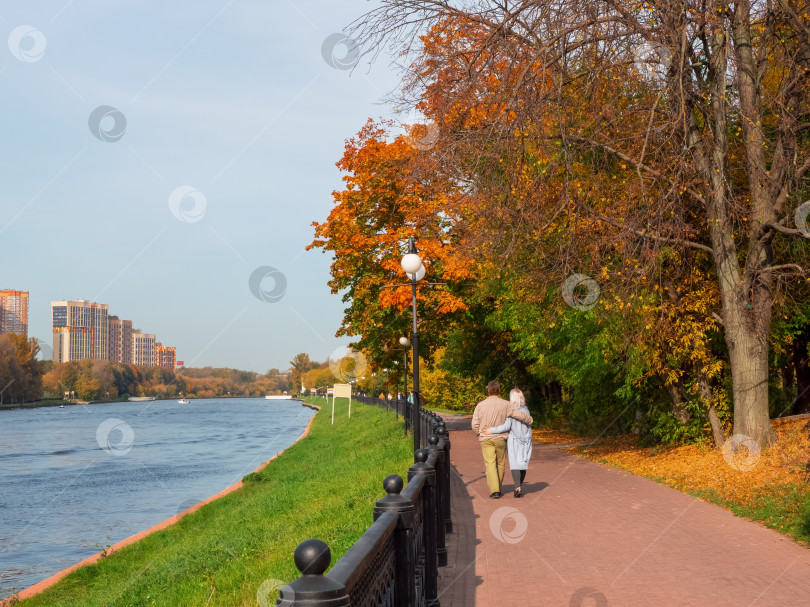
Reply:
x=411, y=263
x=420, y=274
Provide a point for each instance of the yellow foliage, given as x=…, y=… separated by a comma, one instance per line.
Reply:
x=696, y=467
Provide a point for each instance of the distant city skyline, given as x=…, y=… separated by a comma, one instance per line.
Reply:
x=169, y=161
x=86, y=330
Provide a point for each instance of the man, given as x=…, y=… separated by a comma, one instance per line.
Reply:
x=489, y=413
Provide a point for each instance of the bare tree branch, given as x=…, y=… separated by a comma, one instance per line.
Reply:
x=645, y=234
x=796, y=268
x=640, y=166
x=778, y=227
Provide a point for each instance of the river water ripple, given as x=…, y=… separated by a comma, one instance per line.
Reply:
x=76, y=480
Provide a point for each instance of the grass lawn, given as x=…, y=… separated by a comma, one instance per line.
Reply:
x=770, y=488
x=324, y=487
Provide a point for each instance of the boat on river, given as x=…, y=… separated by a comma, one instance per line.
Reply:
x=183, y=401
x=278, y=397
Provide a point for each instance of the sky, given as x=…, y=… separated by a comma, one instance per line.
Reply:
x=168, y=160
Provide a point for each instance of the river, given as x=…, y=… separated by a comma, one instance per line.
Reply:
x=75, y=480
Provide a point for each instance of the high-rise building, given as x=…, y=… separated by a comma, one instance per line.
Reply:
x=143, y=348
x=120, y=340
x=14, y=311
x=80, y=330
x=165, y=356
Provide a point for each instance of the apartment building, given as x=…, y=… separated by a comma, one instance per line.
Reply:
x=143, y=348
x=13, y=311
x=120, y=340
x=80, y=330
x=165, y=356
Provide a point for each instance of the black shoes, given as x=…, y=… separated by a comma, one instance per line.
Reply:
x=518, y=492
x=495, y=495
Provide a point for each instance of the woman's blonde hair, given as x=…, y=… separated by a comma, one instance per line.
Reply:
x=516, y=398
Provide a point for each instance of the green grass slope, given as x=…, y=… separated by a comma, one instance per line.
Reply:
x=324, y=486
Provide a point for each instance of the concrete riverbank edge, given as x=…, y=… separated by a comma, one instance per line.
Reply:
x=39, y=587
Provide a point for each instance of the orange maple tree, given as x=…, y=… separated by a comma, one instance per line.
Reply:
x=391, y=193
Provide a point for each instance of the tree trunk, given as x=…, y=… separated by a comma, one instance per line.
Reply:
x=676, y=401
x=748, y=358
x=745, y=294
x=800, y=364
x=717, y=427
x=747, y=305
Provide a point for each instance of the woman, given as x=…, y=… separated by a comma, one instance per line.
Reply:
x=519, y=443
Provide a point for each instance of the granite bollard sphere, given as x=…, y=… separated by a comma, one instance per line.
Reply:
x=393, y=483
x=312, y=557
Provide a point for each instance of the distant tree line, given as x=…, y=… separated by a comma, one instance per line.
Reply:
x=317, y=377
x=20, y=371
x=98, y=379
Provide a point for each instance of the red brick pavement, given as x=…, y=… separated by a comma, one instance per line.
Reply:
x=591, y=535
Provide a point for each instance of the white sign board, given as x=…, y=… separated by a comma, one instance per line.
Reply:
x=341, y=391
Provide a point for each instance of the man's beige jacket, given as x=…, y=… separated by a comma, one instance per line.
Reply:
x=493, y=411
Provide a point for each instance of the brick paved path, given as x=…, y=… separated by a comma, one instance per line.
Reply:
x=590, y=535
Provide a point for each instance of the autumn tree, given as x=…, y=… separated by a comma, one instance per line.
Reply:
x=299, y=366
x=699, y=109
x=391, y=193
x=278, y=382
x=320, y=377
x=20, y=371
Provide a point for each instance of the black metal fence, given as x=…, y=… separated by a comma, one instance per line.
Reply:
x=395, y=562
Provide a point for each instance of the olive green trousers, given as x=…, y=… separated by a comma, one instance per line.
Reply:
x=494, y=451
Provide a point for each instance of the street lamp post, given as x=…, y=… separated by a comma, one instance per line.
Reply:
x=405, y=343
x=412, y=265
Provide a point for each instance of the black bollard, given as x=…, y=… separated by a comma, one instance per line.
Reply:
x=440, y=497
x=442, y=432
x=404, y=591
x=313, y=588
x=421, y=467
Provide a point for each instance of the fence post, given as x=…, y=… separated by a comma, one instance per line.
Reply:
x=405, y=565
x=443, y=432
x=425, y=432
x=421, y=467
x=440, y=497
x=407, y=415
x=313, y=588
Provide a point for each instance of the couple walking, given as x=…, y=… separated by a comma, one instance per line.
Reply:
x=500, y=424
